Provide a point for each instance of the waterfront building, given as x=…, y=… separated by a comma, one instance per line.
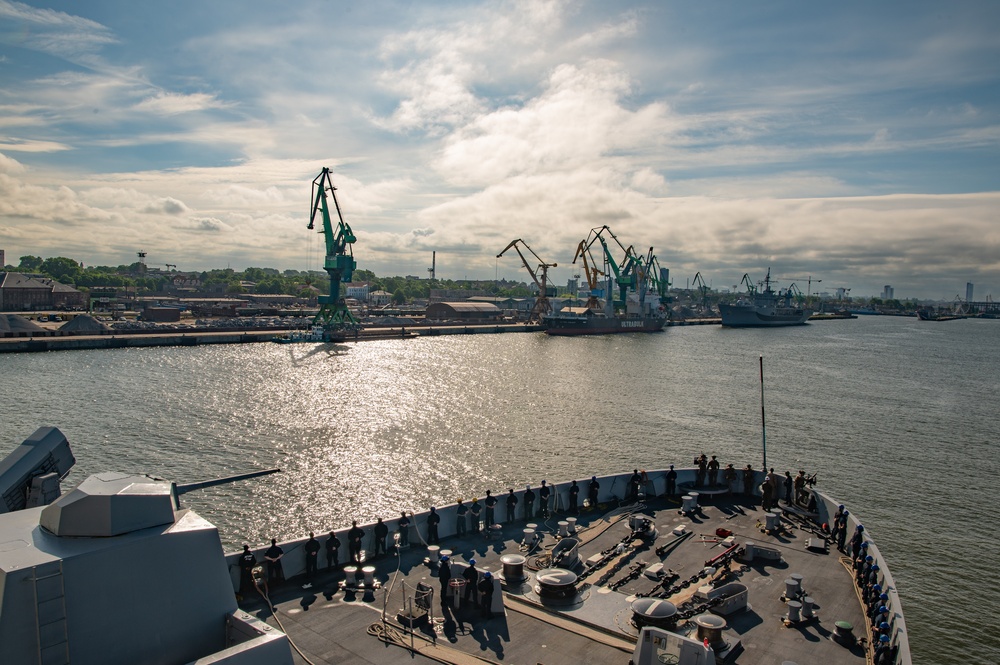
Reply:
x=20, y=293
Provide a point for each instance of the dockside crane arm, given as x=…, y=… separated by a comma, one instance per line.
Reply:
x=542, y=305
x=751, y=287
x=591, y=272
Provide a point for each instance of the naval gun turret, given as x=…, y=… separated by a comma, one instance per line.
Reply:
x=115, y=571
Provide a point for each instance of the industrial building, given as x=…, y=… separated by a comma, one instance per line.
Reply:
x=20, y=293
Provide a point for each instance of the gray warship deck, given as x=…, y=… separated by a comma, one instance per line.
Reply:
x=331, y=626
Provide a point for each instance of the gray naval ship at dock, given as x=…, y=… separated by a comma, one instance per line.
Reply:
x=613, y=569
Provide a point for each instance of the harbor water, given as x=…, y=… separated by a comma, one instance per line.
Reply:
x=896, y=416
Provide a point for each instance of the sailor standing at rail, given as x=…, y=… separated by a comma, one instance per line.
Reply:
x=475, y=510
x=857, y=542
x=381, y=532
x=713, y=471
x=511, y=506
x=404, y=529
x=748, y=475
x=729, y=475
x=633, y=485
x=432, y=526
x=247, y=562
x=273, y=556
x=491, y=503
x=671, y=481
x=574, y=492
x=312, y=550
x=460, y=520
x=354, y=539
x=332, y=550
x=592, y=492
x=529, y=502
x=788, y=487
x=543, y=500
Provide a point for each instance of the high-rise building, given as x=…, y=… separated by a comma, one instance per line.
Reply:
x=968, y=287
x=887, y=292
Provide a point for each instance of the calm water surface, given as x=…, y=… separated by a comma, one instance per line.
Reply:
x=896, y=416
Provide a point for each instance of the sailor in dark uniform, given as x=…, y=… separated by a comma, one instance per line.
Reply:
x=460, y=518
x=671, y=481
x=511, y=506
x=247, y=561
x=748, y=477
x=729, y=475
x=475, y=510
x=404, y=529
x=633, y=485
x=471, y=576
x=486, y=588
x=432, y=526
x=788, y=487
x=332, y=550
x=592, y=492
x=842, y=533
x=444, y=576
x=702, y=470
x=574, y=492
x=857, y=542
x=273, y=556
x=312, y=550
x=381, y=533
x=354, y=539
x=713, y=471
x=491, y=504
x=543, y=500
x=529, y=502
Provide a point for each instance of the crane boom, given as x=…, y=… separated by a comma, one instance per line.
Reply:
x=591, y=272
x=542, y=304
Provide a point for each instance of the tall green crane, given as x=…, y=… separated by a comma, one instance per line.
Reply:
x=339, y=264
x=624, y=275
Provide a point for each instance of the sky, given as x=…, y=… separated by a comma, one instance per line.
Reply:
x=856, y=143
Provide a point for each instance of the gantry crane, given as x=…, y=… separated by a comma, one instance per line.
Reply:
x=808, y=280
x=591, y=272
x=339, y=263
x=542, y=305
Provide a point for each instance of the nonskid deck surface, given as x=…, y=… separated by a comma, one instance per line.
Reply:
x=331, y=626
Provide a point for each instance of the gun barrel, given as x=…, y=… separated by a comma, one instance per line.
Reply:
x=190, y=487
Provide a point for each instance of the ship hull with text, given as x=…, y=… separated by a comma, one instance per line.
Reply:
x=584, y=321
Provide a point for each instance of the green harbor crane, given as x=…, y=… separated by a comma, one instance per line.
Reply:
x=333, y=313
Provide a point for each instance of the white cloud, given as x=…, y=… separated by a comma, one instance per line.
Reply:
x=168, y=103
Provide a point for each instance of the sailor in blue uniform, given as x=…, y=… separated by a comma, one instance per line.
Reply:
x=592, y=492
x=713, y=471
x=511, y=506
x=633, y=485
x=574, y=492
x=671, y=481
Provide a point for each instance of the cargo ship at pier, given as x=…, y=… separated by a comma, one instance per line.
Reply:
x=587, y=321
